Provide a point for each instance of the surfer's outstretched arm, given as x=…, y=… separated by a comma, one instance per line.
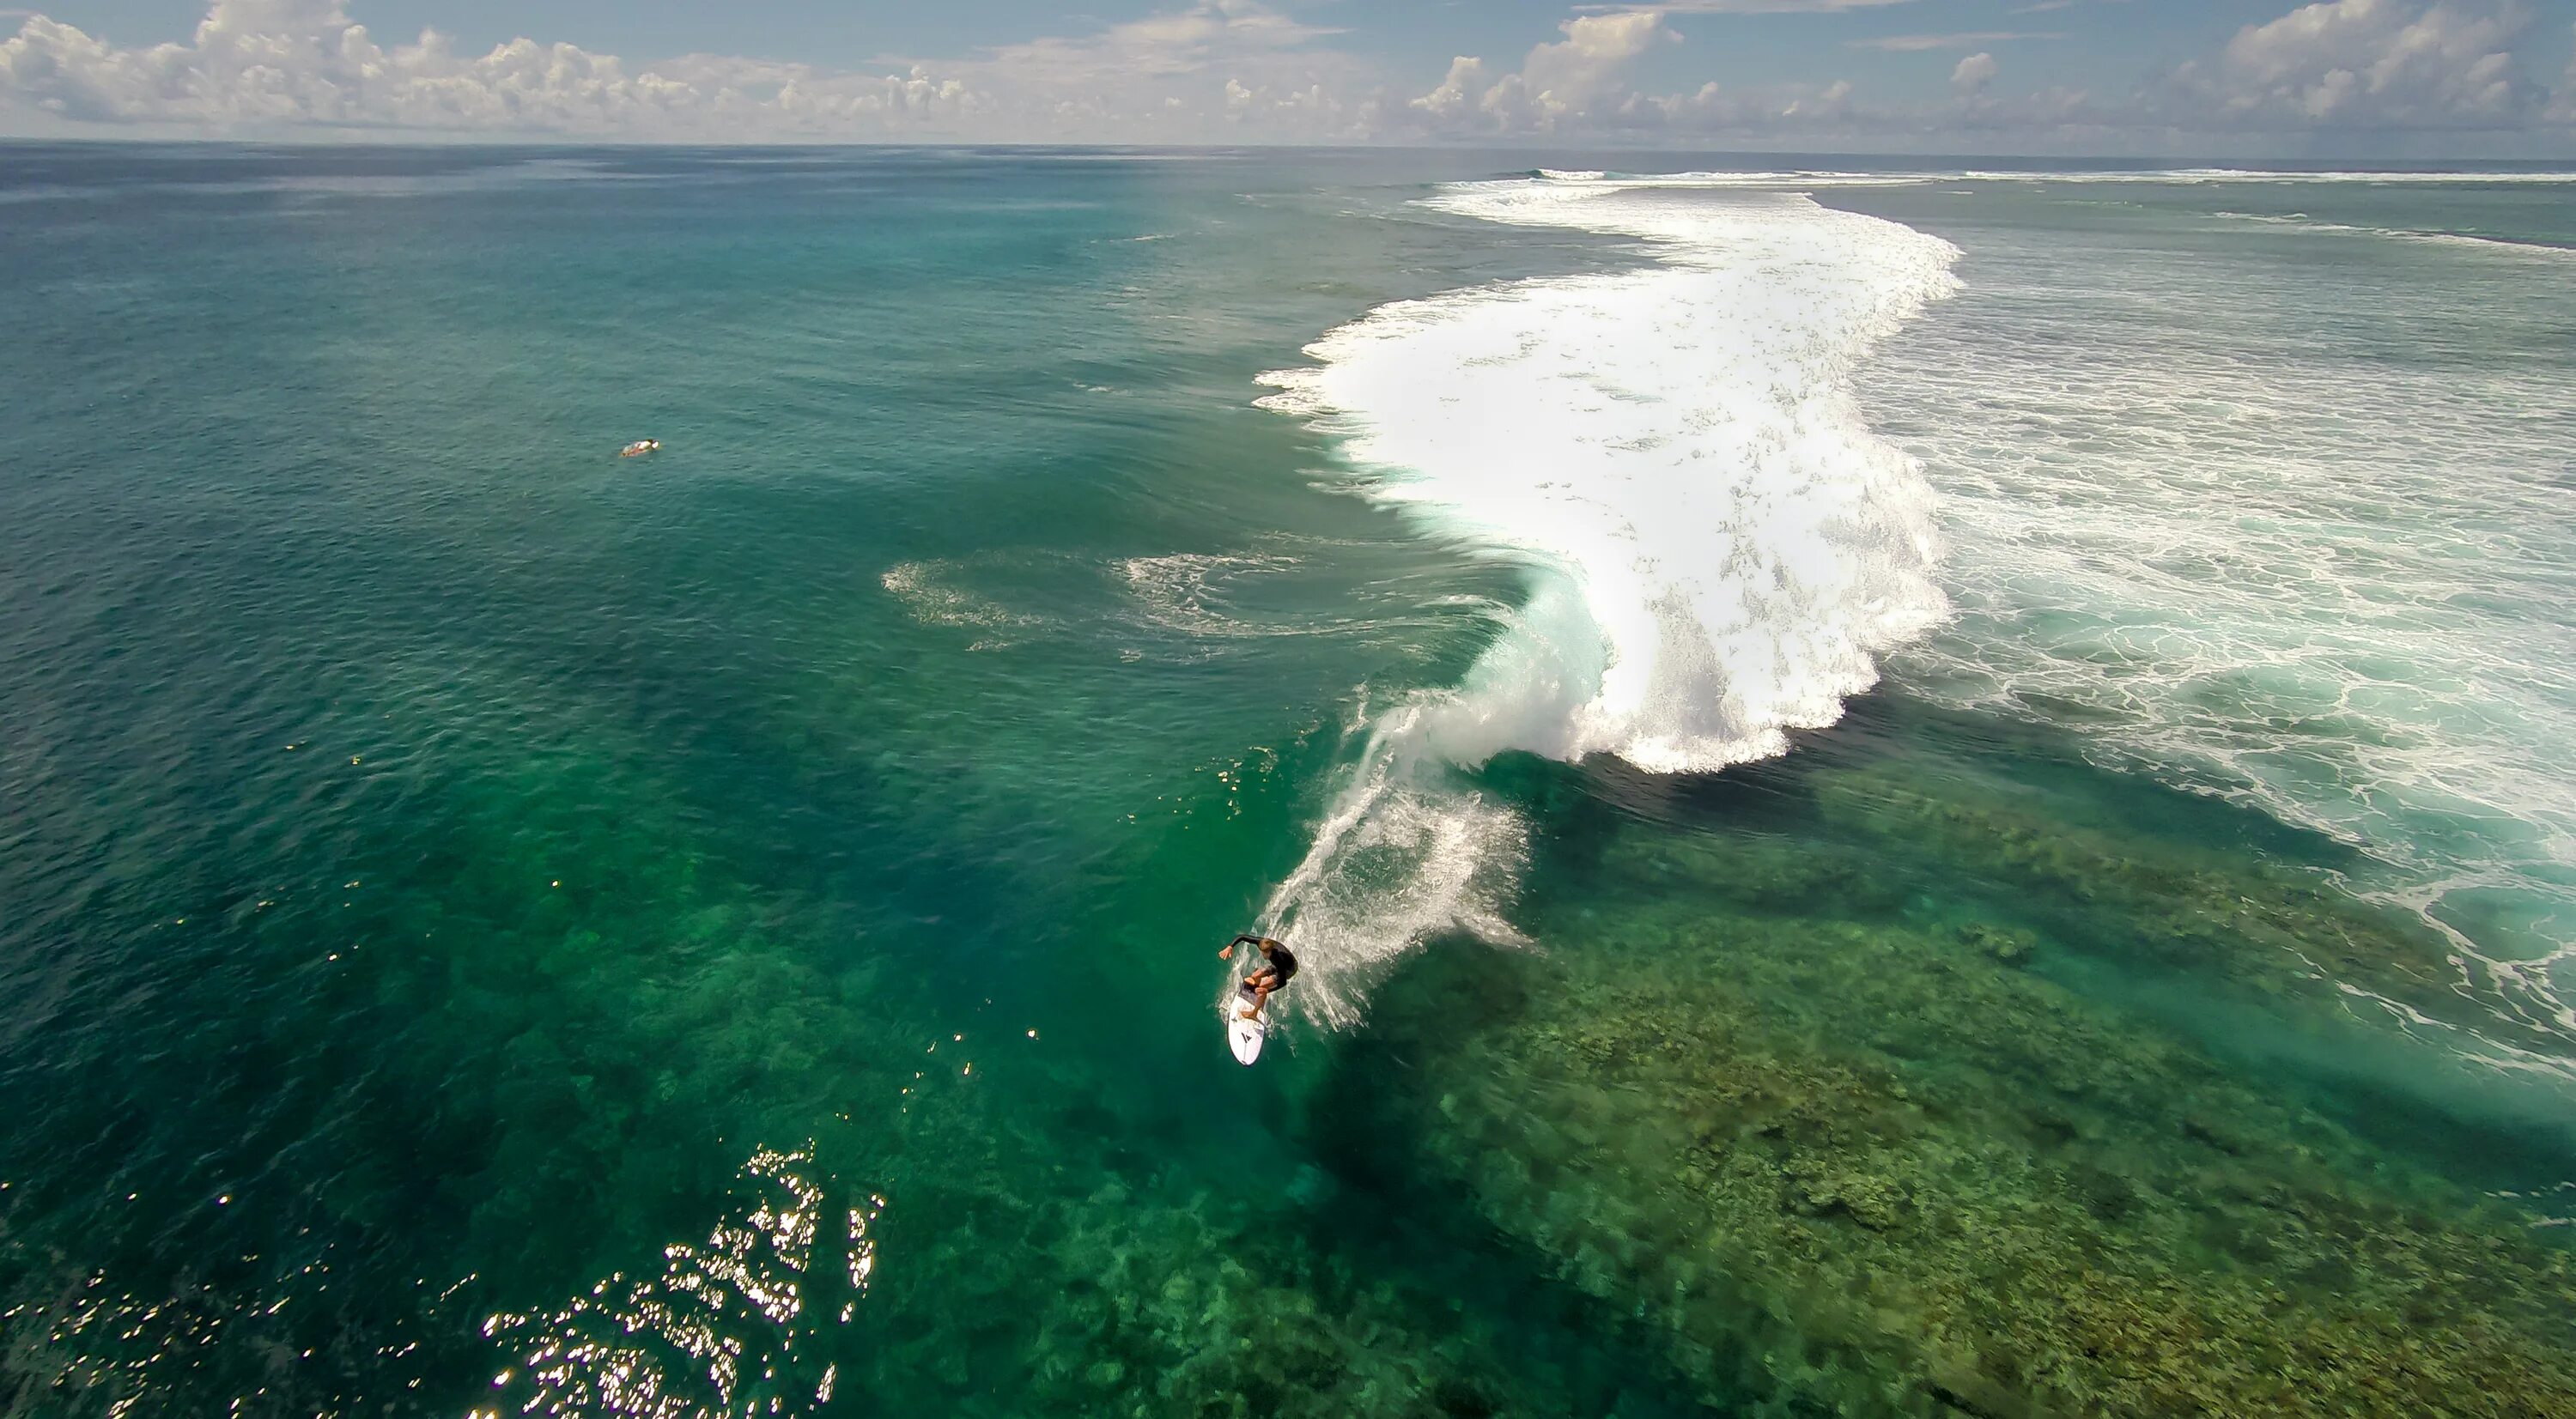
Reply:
x=1246, y=939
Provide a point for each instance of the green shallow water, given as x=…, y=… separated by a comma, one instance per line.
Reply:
x=487, y=926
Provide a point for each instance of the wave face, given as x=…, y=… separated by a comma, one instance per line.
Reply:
x=1718, y=549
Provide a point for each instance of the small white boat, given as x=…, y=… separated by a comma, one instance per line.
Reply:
x=639, y=448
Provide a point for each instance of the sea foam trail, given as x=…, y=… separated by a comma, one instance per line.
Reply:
x=1717, y=548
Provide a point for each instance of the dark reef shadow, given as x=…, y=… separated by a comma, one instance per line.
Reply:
x=1391, y=1217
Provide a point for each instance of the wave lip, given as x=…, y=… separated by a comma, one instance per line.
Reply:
x=1718, y=549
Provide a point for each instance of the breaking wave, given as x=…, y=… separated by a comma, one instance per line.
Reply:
x=1717, y=549
x=2503, y=246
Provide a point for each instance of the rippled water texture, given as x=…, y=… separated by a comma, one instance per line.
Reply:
x=1905, y=793
x=2282, y=511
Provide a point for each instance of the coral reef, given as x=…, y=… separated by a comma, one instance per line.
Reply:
x=1860, y=1159
x=2164, y=905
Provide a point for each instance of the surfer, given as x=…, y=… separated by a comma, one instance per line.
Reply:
x=1278, y=967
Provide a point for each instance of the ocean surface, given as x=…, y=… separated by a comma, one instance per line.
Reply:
x=1938, y=789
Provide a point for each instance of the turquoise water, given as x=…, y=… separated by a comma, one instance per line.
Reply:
x=1812, y=744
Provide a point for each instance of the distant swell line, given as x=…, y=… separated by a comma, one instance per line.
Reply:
x=2499, y=245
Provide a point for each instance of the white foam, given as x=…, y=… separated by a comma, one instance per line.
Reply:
x=1718, y=549
x=1782, y=180
x=1404, y=854
x=1185, y=591
x=1719, y=546
x=1802, y=179
x=2284, y=527
x=930, y=592
x=2274, y=177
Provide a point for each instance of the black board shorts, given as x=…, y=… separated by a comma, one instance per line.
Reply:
x=1281, y=961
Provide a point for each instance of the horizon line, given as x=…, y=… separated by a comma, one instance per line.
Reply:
x=2210, y=162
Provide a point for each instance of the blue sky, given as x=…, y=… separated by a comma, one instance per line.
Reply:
x=2217, y=77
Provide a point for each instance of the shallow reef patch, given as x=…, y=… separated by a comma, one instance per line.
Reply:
x=1850, y=1151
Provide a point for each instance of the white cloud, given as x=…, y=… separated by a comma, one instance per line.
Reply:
x=1713, y=111
x=260, y=66
x=2562, y=104
x=2363, y=64
x=1563, y=84
x=1742, y=7
x=1918, y=43
x=1578, y=87
x=1243, y=70
x=1173, y=44
x=1238, y=68
x=256, y=65
x=1973, y=74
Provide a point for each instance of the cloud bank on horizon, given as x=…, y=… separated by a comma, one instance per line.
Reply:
x=2437, y=75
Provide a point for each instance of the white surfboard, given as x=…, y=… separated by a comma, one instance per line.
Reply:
x=1245, y=1035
